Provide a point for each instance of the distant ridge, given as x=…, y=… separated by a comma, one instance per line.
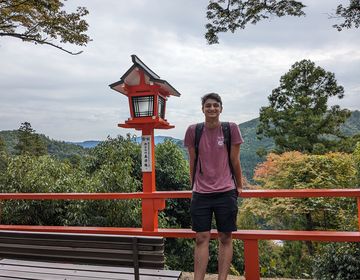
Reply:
x=249, y=158
x=87, y=144
x=93, y=143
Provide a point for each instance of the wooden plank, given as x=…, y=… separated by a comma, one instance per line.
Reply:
x=111, y=269
x=23, y=272
x=78, y=251
x=144, y=249
x=35, y=276
x=81, y=236
x=82, y=255
x=60, y=271
x=83, y=243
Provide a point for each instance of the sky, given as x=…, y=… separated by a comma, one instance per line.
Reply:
x=68, y=97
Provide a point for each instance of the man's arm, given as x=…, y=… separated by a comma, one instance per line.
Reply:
x=191, y=151
x=235, y=161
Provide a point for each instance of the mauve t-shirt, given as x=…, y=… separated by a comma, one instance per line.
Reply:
x=213, y=158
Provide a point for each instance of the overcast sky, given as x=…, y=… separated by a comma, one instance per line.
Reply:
x=67, y=97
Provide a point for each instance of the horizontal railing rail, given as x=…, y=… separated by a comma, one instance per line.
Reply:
x=303, y=193
x=250, y=237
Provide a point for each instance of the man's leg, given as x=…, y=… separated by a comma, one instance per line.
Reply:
x=201, y=255
x=225, y=215
x=225, y=254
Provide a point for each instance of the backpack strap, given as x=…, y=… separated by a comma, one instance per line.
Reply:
x=227, y=141
x=198, y=132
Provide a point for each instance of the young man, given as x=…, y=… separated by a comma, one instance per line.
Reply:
x=214, y=188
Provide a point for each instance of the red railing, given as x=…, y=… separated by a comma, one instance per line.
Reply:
x=250, y=237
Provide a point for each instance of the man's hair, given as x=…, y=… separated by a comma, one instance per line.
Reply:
x=212, y=95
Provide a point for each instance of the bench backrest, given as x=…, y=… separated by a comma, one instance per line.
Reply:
x=104, y=249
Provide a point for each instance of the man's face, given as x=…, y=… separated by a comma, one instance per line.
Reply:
x=211, y=108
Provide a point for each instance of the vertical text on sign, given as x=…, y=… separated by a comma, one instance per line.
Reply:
x=146, y=165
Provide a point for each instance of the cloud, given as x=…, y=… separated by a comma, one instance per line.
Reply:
x=68, y=98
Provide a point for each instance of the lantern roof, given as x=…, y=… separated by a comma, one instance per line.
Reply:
x=132, y=78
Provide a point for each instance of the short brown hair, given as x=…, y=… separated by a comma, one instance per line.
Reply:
x=211, y=95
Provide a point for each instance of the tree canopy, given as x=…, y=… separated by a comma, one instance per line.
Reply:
x=230, y=15
x=43, y=22
x=29, y=142
x=298, y=117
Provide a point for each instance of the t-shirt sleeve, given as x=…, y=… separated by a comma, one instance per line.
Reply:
x=189, y=140
x=236, y=137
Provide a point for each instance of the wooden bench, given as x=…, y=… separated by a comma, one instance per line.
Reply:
x=91, y=249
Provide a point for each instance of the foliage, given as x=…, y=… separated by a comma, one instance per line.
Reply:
x=43, y=22
x=338, y=261
x=356, y=155
x=110, y=168
x=29, y=142
x=59, y=149
x=172, y=173
x=230, y=15
x=272, y=261
x=2, y=145
x=293, y=170
x=26, y=173
x=298, y=117
x=350, y=14
x=249, y=149
x=179, y=254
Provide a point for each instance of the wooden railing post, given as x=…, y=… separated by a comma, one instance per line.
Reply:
x=358, y=207
x=251, y=257
x=149, y=211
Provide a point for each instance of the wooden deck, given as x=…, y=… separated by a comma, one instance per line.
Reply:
x=11, y=269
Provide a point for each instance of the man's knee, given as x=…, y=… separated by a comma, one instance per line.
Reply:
x=202, y=238
x=225, y=237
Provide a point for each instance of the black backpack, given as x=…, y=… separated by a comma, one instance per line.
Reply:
x=227, y=141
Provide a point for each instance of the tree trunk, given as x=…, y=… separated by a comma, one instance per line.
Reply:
x=309, y=226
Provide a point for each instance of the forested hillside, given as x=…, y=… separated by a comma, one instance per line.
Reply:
x=249, y=157
x=59, y=149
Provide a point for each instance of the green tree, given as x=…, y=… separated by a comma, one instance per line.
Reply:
x=293, y=170
x=43, y=174
x=172, y=173
x=2, y=145
x=3, y=159
x=230, y=15
x=298, y=117
x=111, y=167
x=43, y=22
x=29, y=142
x=338, y=261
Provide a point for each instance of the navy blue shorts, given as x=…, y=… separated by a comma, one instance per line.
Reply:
x=223, y=205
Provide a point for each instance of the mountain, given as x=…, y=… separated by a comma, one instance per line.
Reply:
x=249, y=158
x=94, y=143
x=59, y=149
x=352, y=124
x=158, y=139
x=87, y=144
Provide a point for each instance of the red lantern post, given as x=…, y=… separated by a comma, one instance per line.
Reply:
x=147, y=95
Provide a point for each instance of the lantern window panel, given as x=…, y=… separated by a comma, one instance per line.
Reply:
x=143, y=106
x=161, y=107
